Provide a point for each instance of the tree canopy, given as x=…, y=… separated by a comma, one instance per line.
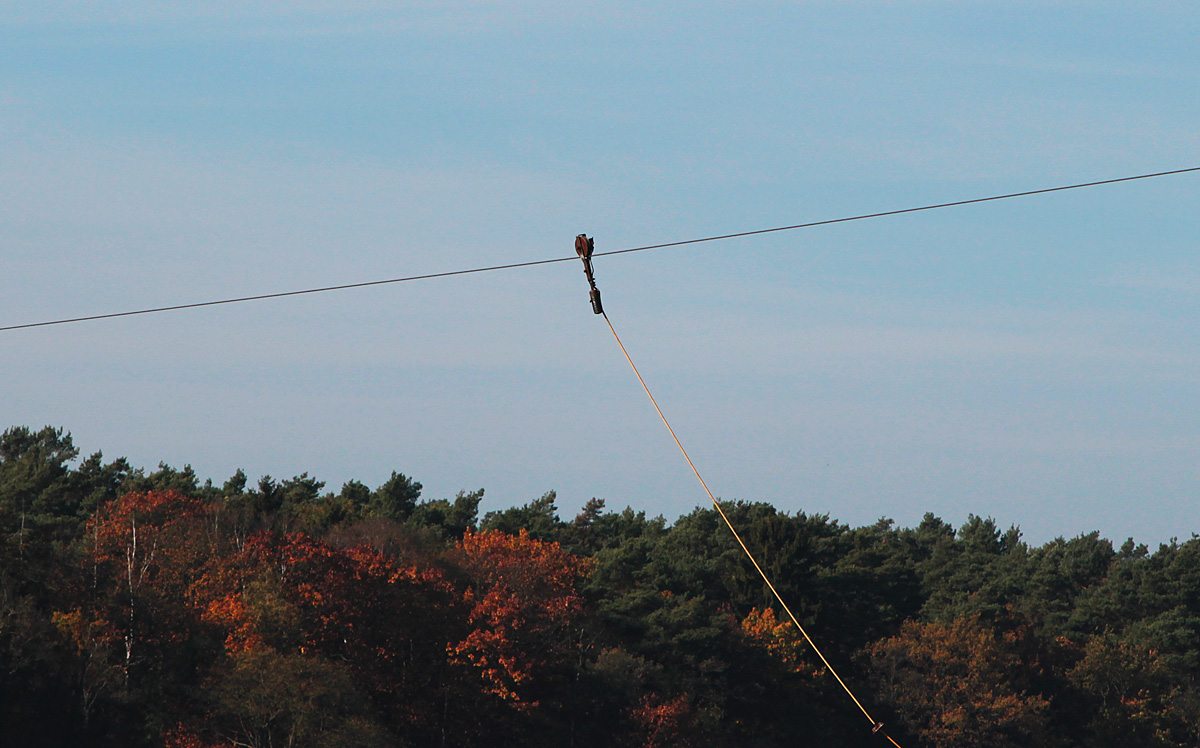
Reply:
x=150, y=608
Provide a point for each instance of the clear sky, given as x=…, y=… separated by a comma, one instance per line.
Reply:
x=1032, y=360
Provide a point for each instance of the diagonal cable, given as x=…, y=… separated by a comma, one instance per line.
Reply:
x=876, y=726
x=902, y=211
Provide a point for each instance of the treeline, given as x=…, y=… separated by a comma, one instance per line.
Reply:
x=149, y=609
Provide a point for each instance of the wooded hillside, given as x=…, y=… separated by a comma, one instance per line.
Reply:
x=145, y=608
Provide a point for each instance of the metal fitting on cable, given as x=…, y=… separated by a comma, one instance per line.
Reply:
x=584, y=247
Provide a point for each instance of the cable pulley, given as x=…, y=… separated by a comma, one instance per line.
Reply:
x=584, y=248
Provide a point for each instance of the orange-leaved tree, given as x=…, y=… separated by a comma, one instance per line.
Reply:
x=779, y=638
x=663, y=723
x=524, y=597
x=297, y=602
x=957, y=684
x=146, y=549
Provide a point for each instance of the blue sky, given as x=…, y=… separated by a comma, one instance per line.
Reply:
x=1032, y=360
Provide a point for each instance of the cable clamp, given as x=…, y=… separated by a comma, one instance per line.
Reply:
x=584, y=248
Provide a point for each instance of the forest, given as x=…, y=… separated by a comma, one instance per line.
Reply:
x=147, y=608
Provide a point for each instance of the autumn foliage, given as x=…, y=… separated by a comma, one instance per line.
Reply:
x=524, y=597
x=664, y=723
x=780, y=638
x=956, y=683
x=342, y=636
x=146, y=610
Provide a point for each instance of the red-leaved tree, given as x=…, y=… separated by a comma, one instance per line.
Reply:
x=384, y=623
x=524, y=598
x=146, y=549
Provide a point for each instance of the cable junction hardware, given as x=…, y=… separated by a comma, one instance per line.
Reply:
x=584, y=248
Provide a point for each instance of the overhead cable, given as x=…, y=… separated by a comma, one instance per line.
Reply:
x=901, y=211
x=509, y=266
